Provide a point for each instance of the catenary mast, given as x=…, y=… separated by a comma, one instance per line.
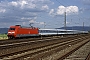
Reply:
x=65, y=21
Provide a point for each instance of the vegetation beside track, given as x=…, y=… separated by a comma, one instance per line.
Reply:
x=3, y=36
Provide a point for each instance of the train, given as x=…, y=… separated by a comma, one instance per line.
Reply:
x=19, y=31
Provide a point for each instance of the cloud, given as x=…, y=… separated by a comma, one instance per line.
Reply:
x=69, y=10
x=23, y=18
x=2, y=10
x=22, y=11
x=13, y=3
x=61, y=10
x=32, y=21
x=42, y=23
x=45, y=7
x=51, y=12
x=37, y=23
x=72, y=9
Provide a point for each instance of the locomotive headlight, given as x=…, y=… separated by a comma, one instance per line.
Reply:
x=11, y=32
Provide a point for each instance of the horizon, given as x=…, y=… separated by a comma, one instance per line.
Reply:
x=86, y=28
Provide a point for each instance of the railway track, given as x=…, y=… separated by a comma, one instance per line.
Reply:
x=88, y=57
x=37, y=49
x=23, y=41
x=82, y=53
x=6, y=49
x=6, y=43
x=2, y=42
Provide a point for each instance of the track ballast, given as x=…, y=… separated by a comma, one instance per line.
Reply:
x=40, y=49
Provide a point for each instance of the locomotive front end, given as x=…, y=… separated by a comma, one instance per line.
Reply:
x=11, y=32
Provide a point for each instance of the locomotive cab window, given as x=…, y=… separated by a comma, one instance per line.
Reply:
x=11, y=28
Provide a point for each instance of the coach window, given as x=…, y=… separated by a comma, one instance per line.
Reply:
x=40, y=31
x=45, y=31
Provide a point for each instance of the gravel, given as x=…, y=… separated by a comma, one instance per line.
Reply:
x=81, y=53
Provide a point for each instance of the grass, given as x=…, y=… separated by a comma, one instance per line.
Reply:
x=3, y=36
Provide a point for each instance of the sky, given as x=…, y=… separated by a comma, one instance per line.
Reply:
x=44, y=13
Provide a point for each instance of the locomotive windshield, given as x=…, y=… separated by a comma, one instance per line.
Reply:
x=11, y=28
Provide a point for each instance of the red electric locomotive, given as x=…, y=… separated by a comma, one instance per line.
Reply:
x=17, y=31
